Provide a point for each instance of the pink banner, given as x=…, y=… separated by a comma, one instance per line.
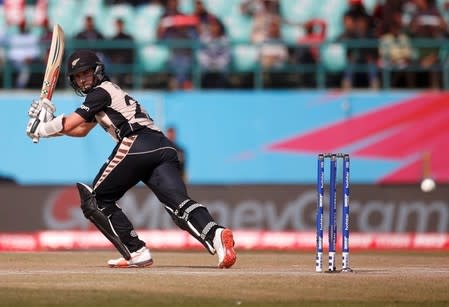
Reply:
x=245, y=240
x=14, y=11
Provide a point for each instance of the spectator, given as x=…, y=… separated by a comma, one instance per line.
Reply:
x=274, y=56
x=263, y=13
x=349, y=28
x=349, y=33
x=47, y=32
x=427, y=20
x=273, y=51
x=171, y=135
x=362, y=61
x=308, y=51
x=90, y=33
x=384, y=15
x=397, y=53
x=315, y=34
x=251, y=7
x=122, y=56
x=45, y=43
x=214, y=56
x=205, y=18
x=368, y=56
x=45, y=39
x=175, y=26
x=357, y=9
x=23, y=52
x=255, y=7
x=428, y=23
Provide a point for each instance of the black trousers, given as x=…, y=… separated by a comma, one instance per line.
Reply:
x=148, y=157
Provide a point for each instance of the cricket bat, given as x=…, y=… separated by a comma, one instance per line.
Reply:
x=54, y=62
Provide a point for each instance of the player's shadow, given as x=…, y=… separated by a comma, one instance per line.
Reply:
x=184, y=266
x=156, y=266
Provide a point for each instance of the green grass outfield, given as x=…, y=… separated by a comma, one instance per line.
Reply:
x=191, y=279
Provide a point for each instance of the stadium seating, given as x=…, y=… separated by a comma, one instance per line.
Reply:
x=333, y=12
x=110, y=14
x=186, y=6
x=62, y=12
x=2, y=15
x=333, y=57
x=154, y=58
x=299, y=11
x=92, y=7
x=141, y=22
x=291, y=33
x=369, y=5
x=223, y=8
x=245, y=57
x=145, y=19
x=238, y=28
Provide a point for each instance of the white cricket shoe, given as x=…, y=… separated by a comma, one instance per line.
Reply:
x=139, y=259
x=224, y=245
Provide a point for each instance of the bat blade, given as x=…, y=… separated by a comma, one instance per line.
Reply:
x=54, y=62
x=53, y=68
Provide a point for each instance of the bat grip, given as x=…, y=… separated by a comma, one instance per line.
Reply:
x=33, y=128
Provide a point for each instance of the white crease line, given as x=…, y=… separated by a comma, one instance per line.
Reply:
x=234, y=272
x=156, y=272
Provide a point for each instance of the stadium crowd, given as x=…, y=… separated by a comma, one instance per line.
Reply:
x=407, y=38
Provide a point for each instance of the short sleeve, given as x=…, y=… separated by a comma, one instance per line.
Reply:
x=96, y=101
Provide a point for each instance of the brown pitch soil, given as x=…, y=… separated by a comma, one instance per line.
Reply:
x=191, y=279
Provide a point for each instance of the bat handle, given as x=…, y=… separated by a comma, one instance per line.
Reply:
x=33, y=128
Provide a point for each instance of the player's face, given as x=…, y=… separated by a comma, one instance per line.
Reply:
x=85, y=79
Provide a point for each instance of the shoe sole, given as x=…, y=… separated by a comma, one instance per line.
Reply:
x=227, y=238
x=136, y=265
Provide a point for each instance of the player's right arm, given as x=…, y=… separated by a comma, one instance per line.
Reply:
x=76, y=126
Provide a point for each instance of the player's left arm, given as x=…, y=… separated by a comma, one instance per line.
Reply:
x=78, y=123
x=71, y=125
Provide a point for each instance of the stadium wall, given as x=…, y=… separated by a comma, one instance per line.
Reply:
x=264, y=217
x=252, y=137
x=252, y=160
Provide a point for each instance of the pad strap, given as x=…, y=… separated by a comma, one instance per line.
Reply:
x=207, y=229
x=195, y=218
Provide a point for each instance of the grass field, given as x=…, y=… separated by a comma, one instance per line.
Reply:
x=191, y=279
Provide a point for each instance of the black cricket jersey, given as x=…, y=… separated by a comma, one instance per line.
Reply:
x=118, y=113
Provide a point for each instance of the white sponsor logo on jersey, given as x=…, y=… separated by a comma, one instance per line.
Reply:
x=86, y=108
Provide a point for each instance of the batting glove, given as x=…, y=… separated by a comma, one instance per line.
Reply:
x=37, y=128
x=42, y=105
